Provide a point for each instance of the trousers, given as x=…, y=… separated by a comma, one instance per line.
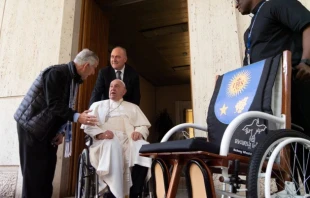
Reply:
x=38, y=163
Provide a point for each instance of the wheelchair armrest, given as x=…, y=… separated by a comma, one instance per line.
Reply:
x=88, y=140
x=234, y=124
x=180, y=127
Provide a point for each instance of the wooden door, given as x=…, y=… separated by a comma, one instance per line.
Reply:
x=94, y=32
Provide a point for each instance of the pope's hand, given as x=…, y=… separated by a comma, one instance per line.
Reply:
x=136, y=136
x=105, y=135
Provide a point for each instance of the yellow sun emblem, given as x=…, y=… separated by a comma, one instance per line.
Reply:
x=238, y=83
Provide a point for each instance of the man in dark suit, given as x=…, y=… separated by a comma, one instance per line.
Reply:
x=120, y=70
x=130, y=77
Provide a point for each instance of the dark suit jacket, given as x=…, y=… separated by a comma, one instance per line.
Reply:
x=107, y=75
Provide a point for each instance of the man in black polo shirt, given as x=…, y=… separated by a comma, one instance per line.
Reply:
x=279, y=25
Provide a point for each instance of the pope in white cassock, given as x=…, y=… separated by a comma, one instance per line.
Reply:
x=118, y=137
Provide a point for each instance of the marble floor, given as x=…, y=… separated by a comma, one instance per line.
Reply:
x=181, y=193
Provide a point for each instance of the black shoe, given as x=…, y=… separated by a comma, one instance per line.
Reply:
x=108, y=195
x=135, y=195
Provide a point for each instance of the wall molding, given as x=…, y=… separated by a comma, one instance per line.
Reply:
x=8, y=182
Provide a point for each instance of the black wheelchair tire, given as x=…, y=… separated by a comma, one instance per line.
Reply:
x=259, y=155
x=83, y=180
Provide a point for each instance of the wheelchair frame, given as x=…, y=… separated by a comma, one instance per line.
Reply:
x=222, y=163
x=87, y=179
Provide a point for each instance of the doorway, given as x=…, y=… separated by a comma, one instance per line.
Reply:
x=155, y=35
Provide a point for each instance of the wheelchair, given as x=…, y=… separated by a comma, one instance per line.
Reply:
x=255, y=153
x=87, y=178
x=87, y=185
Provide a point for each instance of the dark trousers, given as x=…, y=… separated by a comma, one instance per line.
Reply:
x=138, y=175
x=300, y=107
x=38, y=163
x=300, y=110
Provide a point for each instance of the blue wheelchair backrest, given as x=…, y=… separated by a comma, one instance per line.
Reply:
x=245, y=89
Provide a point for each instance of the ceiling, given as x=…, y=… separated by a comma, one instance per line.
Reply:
x=155, y=34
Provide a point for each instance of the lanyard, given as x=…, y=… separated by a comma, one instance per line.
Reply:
x=248, y=44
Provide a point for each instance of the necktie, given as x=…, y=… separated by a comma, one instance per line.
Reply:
x=118, y=75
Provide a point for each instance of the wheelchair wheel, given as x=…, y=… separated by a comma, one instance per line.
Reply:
x=82, y=188
x=93, y=182
x=199, y=179
x=290, y=175
x=160, y=178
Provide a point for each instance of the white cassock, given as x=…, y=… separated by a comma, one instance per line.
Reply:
x=112, y=158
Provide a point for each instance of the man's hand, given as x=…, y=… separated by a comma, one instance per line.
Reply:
x=136, y=136
x=58, y=139
x=303, y=72
x=105, y=135
x=86, y=119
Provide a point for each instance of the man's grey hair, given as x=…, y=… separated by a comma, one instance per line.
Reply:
x=86, y=56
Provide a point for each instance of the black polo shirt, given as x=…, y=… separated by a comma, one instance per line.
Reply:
x=278, y=26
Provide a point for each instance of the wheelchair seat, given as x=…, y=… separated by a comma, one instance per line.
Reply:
x=192, y=144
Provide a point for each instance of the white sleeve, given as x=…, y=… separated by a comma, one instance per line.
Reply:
x=93, y=130
x=143, y=130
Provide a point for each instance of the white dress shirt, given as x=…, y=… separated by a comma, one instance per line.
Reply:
x=122, y=74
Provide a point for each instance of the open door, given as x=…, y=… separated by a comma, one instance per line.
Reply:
x=94, y=30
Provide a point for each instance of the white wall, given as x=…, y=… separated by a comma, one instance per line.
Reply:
x=33, y=35
x=215, y=48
